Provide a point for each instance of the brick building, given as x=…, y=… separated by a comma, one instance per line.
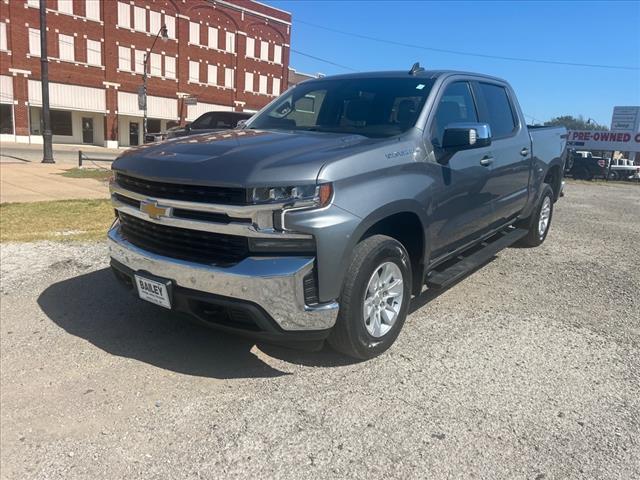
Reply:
x=229, y=55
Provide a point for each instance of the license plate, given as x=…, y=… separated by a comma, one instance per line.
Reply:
x=153, y=291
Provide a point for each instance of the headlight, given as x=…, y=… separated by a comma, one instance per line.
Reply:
x=298, y=196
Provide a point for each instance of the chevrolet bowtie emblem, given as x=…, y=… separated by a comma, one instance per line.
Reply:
x=151, y=208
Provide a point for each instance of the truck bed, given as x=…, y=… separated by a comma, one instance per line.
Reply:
x=548, y=143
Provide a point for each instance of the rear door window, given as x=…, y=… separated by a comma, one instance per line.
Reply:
x=497, y=110
x=455, y=106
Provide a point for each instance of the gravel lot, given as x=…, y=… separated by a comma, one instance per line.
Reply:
x=529, y=368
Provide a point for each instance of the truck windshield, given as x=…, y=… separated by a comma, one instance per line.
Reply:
x=373, y=107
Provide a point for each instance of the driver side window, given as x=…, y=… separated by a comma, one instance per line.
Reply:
x=455, y=106
x=202, y=122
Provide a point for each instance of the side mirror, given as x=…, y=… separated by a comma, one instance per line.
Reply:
x=187, y=126
x=464, y=136
x=241, y=124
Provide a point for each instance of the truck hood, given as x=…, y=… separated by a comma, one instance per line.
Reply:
x=244, y=158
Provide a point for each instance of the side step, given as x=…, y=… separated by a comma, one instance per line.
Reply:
x=453, y=270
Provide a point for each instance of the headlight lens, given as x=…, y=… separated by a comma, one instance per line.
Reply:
x=303, y=195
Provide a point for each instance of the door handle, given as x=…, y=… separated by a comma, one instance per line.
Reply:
x=486, y=161
x=524, y=152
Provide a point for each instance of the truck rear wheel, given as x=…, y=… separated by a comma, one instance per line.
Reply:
x=375, y=298
x=539, y=222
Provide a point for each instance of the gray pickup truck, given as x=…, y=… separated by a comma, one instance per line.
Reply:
x=323, y=215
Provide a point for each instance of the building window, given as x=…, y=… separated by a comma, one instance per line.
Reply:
x=94, y=52
x=230, y=45
x=194, y=71
x=170, y=22
x=66, y=47
x=140, y=19
x=275, y=87
x=213, y=37
x=251, y=47
x=124, y=15
x=138, y=61
x=170, y=67
x=194, y=33
x=248, y=82
x=277, y=53
x=153, y=125
x=212, y=74
x=34, y=3
x=92, y=9
x=262, y=87
x=228, y=77
x=156, y=65
x=264, y=50
x=61, y=123
x=124, y=59
x=65, y=6
x=154, y=22
x=34, y=42
x=6, y=118
x=3, y=36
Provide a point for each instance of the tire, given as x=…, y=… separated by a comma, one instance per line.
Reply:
x=357, y=336
x=613, y=175
x=582, y=173
x=536, y=234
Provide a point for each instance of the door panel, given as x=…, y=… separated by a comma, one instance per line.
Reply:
x=462, y=202
x=87, y=130
x=509, y=182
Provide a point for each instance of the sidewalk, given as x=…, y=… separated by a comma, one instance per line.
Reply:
x=34, y=182
x=11, y=152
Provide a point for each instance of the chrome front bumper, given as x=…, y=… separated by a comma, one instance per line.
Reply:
x=273, y=283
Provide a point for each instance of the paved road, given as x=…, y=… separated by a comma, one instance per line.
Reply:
x=528, y=369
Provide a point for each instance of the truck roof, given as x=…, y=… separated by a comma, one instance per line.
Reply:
x=431, y=74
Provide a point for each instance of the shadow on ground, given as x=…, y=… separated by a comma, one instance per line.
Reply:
x=97, y=308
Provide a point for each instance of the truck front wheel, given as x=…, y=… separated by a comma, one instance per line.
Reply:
x=375, y=298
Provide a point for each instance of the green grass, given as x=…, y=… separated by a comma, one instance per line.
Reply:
x=58, y=220
x=101, y=174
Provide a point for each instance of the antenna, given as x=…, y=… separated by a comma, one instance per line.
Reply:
x=416, y=68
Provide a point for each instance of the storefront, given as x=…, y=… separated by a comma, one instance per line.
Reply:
x=77, y=113
x=161, y=114
x=7, y=122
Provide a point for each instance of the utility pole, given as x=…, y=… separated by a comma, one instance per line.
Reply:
x=47, y=137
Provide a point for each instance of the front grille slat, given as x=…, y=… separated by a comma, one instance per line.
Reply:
x=189, y=193
x=184, y=244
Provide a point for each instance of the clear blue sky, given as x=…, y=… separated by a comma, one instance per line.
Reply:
x=606, y=33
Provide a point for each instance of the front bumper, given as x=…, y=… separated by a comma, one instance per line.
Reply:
x=272, y=284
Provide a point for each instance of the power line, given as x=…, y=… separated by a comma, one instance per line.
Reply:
x=323, y=60
x=470, y=54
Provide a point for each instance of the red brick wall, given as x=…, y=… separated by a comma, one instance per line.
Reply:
x=241, y=16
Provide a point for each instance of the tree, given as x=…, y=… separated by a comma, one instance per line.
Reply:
x=573, y=123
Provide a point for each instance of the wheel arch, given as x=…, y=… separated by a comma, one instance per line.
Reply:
x=404, y=221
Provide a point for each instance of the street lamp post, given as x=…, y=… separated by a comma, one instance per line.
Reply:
x=162, y=33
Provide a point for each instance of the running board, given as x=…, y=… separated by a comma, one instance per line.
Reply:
x=453, y=270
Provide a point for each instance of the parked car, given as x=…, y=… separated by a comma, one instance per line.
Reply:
x=334, y=205
x=584, y=167
x=623, y=169
x=209, y=122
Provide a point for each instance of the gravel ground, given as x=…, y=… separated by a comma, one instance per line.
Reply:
x=529, y=368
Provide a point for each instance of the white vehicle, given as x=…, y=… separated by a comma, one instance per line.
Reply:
x=623, y=169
